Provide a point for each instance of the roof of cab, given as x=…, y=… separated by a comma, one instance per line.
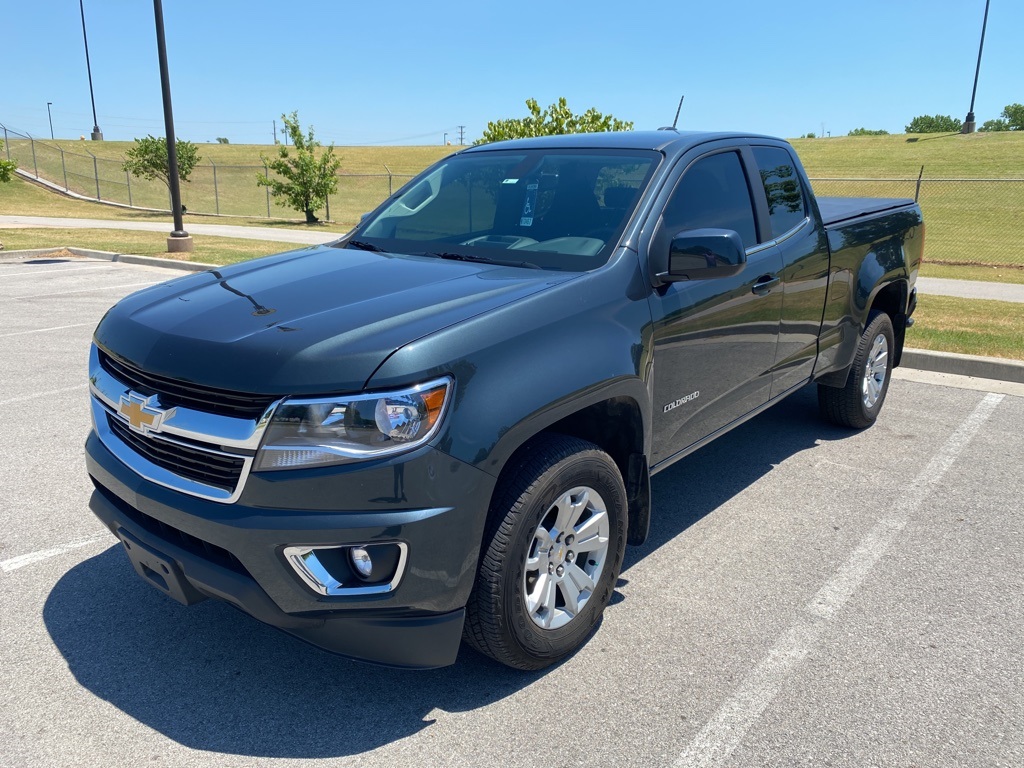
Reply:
x=667, y=140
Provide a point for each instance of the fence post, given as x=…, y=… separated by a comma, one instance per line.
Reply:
x=389, y=178
x=327, y=202
x=34, y=164
x=95, y=173
x=7, y=143
x=128, y=179
x=64, y=167
x=917, y=192
x=266, y=172
x=216, y=194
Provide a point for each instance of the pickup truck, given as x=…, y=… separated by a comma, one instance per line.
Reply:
x=442, y=427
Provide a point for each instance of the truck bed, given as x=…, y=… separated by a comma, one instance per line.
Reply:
x=837, y=210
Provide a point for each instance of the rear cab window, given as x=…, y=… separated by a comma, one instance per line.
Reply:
x=787, y=205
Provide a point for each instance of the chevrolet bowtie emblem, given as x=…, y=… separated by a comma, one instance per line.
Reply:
x=141, y=416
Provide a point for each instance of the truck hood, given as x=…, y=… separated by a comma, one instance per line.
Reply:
x=314, y=321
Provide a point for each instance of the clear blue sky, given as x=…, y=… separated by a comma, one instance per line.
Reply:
x=401, y=72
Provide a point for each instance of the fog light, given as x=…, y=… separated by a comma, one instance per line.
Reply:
x=349, y=569
x=361, y=562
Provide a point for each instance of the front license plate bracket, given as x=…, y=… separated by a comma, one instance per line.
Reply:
x=159, y=571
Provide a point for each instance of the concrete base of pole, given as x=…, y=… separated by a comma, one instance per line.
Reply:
x=180, y=244
x=969, y=127
x=97, y=135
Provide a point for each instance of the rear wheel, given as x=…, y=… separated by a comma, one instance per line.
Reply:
x=858, y=404
x=552, y=556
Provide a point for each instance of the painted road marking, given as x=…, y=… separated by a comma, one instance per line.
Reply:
x=23, y=398
x=45, y=554
x=725, y=731
x=54, y=270
x=81, y=290
x=44, y=330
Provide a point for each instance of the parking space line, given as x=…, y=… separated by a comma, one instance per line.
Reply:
x=82, y=290
x=45, y=554
x=23, y=398
x=727, y=728
x=44, y=330
x=53, y=271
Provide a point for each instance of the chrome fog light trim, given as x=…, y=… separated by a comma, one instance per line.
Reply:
x=305, y=562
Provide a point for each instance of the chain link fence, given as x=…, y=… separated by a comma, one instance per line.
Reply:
x=968, y=221
x=226, y=190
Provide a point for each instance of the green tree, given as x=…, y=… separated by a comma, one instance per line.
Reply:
x=222, y=140
x=1014, y=116
x=994, y=126
x=148, y=159
x=867, y=132
x=934, y=124
x=555, y=120
x=6, y=167
x=307, y=179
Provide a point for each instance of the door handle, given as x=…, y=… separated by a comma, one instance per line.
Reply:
x=764, y=284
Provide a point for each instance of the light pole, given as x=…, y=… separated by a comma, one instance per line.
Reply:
x=179, y=241
x=50, y=116
x=97, y=134
x=444, y=141
x=969, y=123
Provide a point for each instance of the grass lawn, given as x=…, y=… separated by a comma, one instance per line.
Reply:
x=208, y=249
x=968, y=326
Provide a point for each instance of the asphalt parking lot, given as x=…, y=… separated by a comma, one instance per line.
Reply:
x=809, y=597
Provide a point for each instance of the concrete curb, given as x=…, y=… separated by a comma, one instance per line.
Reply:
x=964, y=365
x=125, y=258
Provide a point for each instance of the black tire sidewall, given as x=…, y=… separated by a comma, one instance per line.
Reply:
x=879, y=324
x=595, y=470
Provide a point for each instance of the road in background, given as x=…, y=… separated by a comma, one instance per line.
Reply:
x=809, y=596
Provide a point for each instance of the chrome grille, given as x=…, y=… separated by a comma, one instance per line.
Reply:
x=175, y=392
x=203, y=466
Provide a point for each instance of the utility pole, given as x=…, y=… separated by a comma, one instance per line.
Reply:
x=462, y=135
x=970, y=123
x=179, y=241
x=97, y=134
x=275, y=132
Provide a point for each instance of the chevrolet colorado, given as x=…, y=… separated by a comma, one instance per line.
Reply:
x=442, y=426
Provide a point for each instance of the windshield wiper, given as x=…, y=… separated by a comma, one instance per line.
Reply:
x=362, y=245
x=479, y=259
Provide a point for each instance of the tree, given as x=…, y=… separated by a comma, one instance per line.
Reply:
x=222, y=140
x=308, y=180
x=867, y=132
x=934, y=124
x=1014, y=116
x=6, y=167
x=994, y=126
x=555, y=120
x=148, y=159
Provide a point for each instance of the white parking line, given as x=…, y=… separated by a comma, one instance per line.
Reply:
x=45, y=554
x=53, y=271
x=33, y=396
x=82, y=290
x=44, y=330
x=725, y=731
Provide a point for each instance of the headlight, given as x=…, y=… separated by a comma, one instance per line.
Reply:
x=313, y=433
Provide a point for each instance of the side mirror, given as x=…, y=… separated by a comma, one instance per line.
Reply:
x=702, y=254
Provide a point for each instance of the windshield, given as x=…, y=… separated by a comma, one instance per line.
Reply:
x=554, y=209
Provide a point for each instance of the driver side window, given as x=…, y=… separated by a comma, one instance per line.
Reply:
x=713, y=192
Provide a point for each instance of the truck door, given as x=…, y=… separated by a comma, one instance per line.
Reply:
x=803, y=246
x=714, y=340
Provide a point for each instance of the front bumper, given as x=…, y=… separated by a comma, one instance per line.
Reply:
x=433, y=504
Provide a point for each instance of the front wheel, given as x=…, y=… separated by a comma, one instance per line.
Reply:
x=555, y=543
x=858, y=404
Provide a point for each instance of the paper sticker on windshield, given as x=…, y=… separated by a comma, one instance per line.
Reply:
x=510, y=181
x=526, y=220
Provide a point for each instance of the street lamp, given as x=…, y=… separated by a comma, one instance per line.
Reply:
x=445, y=140
x=179, y=241
x=969, y=123
x=49, y=115
x=97, y=134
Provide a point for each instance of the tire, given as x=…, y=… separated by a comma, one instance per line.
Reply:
x=551, y=554
x=858, y=404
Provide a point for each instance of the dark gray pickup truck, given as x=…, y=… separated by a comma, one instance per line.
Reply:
x=443, y=425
